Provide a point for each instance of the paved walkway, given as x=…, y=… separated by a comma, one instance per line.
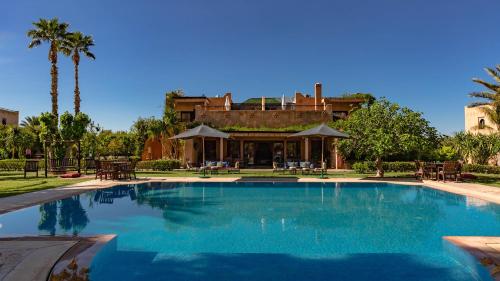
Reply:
x=30, y=259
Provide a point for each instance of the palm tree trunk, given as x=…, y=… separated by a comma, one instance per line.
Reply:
x=54, y=75
x=77, y=91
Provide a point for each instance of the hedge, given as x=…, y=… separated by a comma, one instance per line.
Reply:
x=159, y=165
x=12, y=165
x=483, y=169
x=369, y=166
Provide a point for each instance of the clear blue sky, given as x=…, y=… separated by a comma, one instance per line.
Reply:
x=421, y=54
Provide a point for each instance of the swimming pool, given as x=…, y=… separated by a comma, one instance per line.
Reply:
x=269, y=231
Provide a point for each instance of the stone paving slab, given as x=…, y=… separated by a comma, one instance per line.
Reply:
x=30, y=260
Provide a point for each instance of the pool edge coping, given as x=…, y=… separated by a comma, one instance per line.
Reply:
x=480, y=248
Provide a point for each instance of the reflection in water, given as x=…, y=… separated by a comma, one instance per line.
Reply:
x=72, y=216
x=48, y=217
x=107, y=196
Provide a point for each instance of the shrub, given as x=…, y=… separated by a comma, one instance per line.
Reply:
x=483, y=169
x=369, y=166
x=361, y=167
x=17, y=164
x=159, y=165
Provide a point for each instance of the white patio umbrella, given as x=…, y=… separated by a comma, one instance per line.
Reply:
x=322, y=131
x=201, y=131
x=283, y=102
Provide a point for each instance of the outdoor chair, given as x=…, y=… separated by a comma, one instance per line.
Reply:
x=277, y=169
x=421, y=170
x=98, y=168
x=449, y=170
x=90, y=164
x=107, y=169
x=305, y=167
x=125, y=170
x=292, y=168
x=235, y=169
x=31, y=166
x=320, y=170
x=190, y=167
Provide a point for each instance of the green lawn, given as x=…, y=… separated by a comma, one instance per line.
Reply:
x=487, y=179
x=13, y=183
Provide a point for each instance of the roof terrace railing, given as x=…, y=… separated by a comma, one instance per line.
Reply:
x=268, y=106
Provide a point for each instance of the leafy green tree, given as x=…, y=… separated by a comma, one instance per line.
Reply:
x=91, y=142
x=74, y=127
x=18, y=140
x=54, y=33
x=476, y=148
x=491, y=105
x=141, y=132
x=77, y=43
x=385, y=129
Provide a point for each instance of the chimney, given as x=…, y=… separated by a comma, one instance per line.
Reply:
x=317, y=95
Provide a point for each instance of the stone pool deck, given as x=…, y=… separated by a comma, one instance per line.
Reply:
x=22, y=257
x=485, y=249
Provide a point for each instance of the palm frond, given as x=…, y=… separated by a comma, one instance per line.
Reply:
x=494, y=73
x=493, y=87
x=34, y=43
x=476, y=104
x=483, y=95
x=89, y=55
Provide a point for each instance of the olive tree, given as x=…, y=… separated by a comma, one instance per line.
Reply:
x=384, y=129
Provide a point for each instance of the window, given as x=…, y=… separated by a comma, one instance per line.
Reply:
x=187, y=116
x=293, y=151
x=233, y=149
x=339, y=115
x=481, y=123
x=4, y=121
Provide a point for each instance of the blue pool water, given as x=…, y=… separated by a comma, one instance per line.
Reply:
x=269, y=231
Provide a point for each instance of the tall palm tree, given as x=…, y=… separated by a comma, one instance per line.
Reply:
x=76, y=43
x=53, y=32
x=490, y=107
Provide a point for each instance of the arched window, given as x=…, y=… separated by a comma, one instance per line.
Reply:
x=481, y=124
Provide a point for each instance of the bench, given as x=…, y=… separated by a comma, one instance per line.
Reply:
x=31, y=166
x=62, y=165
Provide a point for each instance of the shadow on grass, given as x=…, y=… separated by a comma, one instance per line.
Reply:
x=272, y=267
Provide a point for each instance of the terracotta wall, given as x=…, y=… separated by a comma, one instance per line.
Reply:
x=9, y=117
x=261, y=119
x=152, y=149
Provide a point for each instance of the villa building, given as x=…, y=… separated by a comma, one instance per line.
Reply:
x=259, y=128
x=9, y=117
x=478, y=123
